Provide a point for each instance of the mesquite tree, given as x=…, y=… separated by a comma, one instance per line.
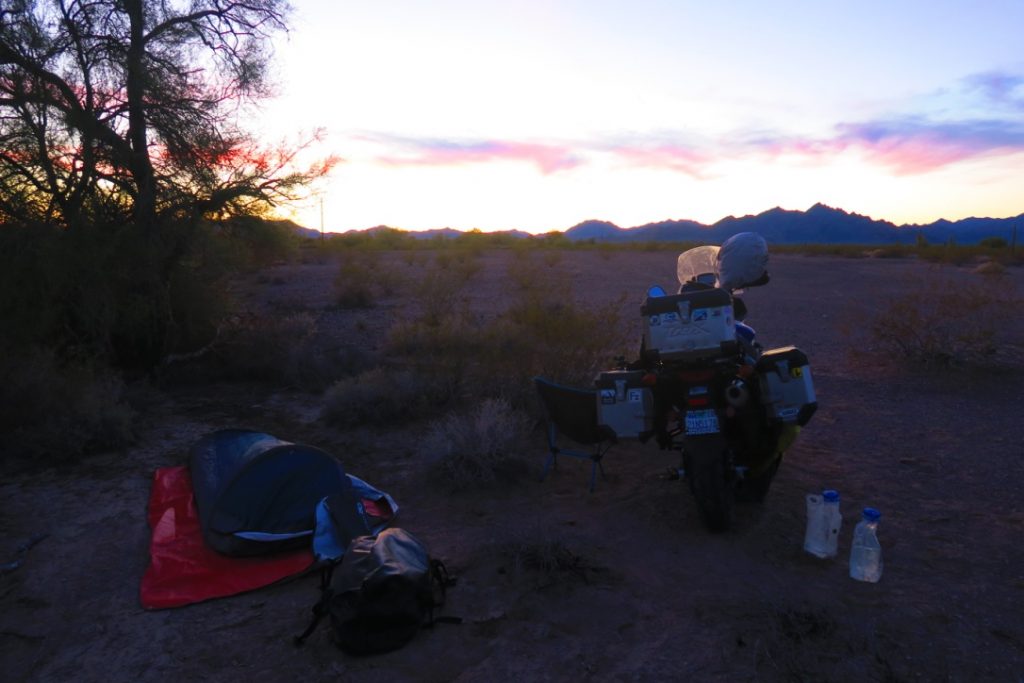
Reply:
x=120, y=137
x=128, y=109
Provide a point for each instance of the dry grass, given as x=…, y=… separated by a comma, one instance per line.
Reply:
x=382, y=395
x=282, y=349
x=362, y=280
x=472, y=446
x=543, y=331
x=55, y=412
x=538, y=552
x=940, y=320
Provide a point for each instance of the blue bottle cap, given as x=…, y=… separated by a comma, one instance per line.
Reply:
x=872, y=515
x=830, y=496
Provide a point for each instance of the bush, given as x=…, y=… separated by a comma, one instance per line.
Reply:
x=262, y=242
x=990, y=268
x=551, y=335
x=353, y=287
x=380, y=396
x=53, y=412
x=439, y=291
x=543, y=332
x=541, y=553
x=279, y=349
x=471, y=447
x=939, y=320
x=361, y=281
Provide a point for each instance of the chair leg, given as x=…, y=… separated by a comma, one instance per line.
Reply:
x=552, y=459
x=549, y=462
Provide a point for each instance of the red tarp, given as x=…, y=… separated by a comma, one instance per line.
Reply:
x=182, y=569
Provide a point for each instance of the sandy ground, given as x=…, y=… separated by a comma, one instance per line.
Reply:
x=649, y=595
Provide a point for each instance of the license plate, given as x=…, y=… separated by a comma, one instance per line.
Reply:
x=701, y=422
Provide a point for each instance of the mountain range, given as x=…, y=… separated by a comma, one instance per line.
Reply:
x=819, y=224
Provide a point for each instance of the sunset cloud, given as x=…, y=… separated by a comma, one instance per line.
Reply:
x=683, y=157
x=913, y=145
x=404, y=151
x=998, y=88
x=989, y=123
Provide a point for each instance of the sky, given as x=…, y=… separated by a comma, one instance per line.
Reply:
x=537, y=115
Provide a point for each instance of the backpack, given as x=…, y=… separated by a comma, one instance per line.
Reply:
x=381, y=593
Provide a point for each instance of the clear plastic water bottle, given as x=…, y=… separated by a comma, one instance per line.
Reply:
x=821, y=538
x=866, y=552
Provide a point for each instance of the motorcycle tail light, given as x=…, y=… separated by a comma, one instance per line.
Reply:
x=695, y=376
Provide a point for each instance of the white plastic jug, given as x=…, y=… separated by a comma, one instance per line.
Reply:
x=824, y=520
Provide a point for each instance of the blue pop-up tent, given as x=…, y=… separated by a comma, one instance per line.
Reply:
x=257, y=494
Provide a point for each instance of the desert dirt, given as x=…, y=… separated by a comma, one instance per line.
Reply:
x=639, y=590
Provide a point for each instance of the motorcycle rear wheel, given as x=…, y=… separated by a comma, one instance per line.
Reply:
x=714, y=492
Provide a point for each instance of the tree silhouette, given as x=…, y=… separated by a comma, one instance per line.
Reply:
x=126, y=110
x=119, y=141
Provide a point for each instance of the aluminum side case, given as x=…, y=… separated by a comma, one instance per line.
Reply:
x=786, y=387
x=689, y=326
x=623, y=403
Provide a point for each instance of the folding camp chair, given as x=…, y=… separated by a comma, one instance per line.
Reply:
x=573, y=413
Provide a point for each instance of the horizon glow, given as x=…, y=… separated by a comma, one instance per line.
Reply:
x=542, y=115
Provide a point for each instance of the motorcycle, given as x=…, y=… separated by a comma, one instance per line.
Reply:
x=705, y=387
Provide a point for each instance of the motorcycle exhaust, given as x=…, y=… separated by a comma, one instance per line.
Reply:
x=737, y=394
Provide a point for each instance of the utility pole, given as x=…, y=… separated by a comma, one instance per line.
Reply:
x=321, y=218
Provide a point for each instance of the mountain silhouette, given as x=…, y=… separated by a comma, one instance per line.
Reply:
x=819, y=224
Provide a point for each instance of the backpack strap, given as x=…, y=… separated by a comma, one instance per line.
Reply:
x=323, y=605
x=440, y=577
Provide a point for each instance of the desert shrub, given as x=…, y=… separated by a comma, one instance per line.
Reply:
x=543, y=331
x=546, y=331
x=471, y=446
x=52, y=410
x=380, y=396
x=362, y=279
x=553, y=258
x=260, y=241
x=993, y=243
x=990, y=268
x=439, y=291
x=441, y=350
x=316, y=367
x=265, y=348
x=353, y=287
x=949, y=253
x=942, y=320
x=111, y=293
x=413, y=258
x=547, y=556
x=463, y=261
x=540, y=552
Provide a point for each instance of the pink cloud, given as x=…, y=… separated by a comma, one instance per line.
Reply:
x=672, y=156
x=911, y=146
x=907, y=146
x=548, y=158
